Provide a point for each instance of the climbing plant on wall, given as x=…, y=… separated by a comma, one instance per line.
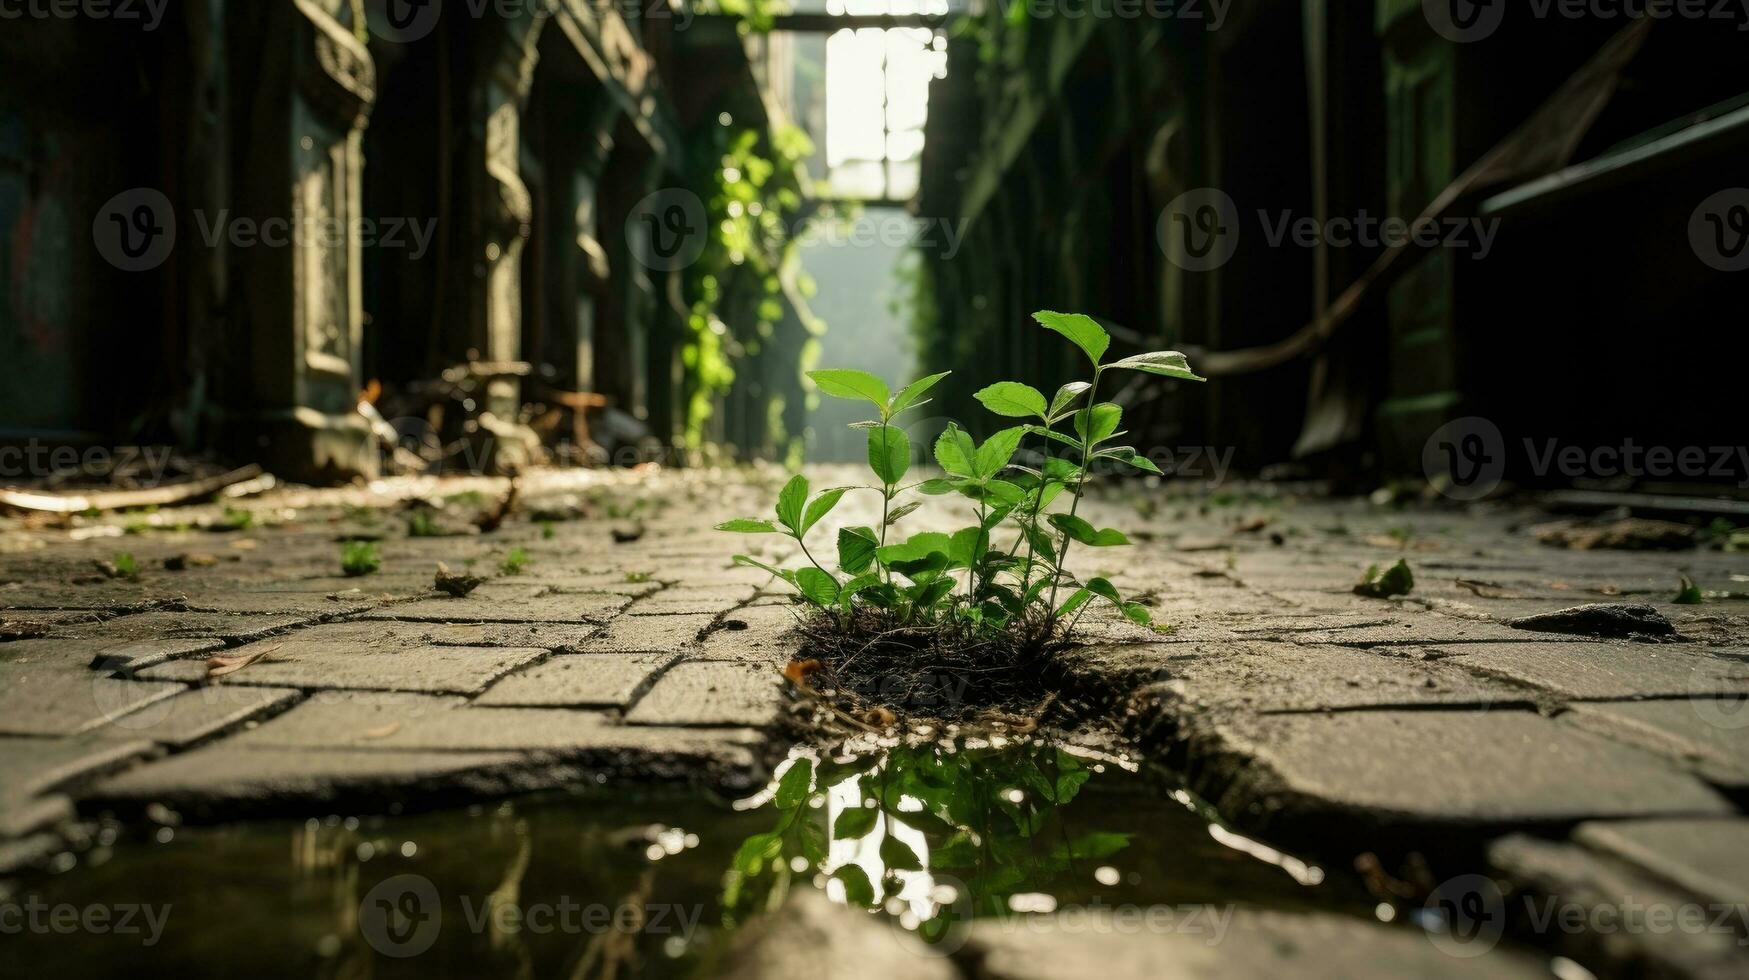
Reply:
x=752, y=182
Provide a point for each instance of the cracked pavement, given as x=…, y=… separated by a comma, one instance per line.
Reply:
x=1306, y=714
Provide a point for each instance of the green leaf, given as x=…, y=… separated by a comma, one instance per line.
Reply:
x=1006, y=492
x=852, y=385
x=898, y=856
x=858, y=890
x=854, y=822
x=889, y=453
x=1013, y=399
x=751, y=562
x=1166, y=363
x=954, y=451
x=966, y=544
x=1085, y=533
x=797, y=780
x=1049, y=433
x=917, y=546
x=1399, y=580
x=1093, y=847
x=914, y=391
x=1080, y=329
x=1128, y=456
x=819, y=587
x=996, y=451
x=822, y=506
x=790, y=502
x=1074, y=602
x=937, y=487
x=902, y=511
x=1106, y=418
x=746, y=526
x=756, y=850
x=1066, y=396
x=856, y=549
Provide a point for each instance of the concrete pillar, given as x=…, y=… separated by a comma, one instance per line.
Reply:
x=303, y=89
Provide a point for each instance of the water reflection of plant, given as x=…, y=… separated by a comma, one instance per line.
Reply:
x=897, y=824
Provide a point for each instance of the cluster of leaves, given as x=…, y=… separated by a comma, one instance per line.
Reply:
x=968, y=578
x=1394, y=581
x=992, y=818
x=735, y=289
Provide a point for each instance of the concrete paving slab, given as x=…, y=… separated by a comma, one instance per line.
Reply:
x=593, y=607
x=1707, y=858
x=1327, y=776
x=592, y=680
x=199, y=714
x=712, y=693
x=1711, y=733
x=1604, y=670
x=1266, y=677
x=649, y=634
x=45, y=701
x=1241, y=944
x=431, y=669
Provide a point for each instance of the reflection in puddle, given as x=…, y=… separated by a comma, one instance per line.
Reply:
x=627, y=882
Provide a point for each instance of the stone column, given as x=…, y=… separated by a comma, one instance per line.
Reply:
x=304, y=85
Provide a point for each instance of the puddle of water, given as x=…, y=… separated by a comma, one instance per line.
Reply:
x=649, y=884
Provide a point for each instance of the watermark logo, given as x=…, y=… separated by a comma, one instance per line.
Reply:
x=148, y=13
x=1199, y=230
x=667, y=230
x=401, y=916
x=1466, y=916
x=1463, y=21
x=1465, y=458
x=406, y=21
x=136, y=230
x=1727, y=712
x=36, y=917
x=1719, y=230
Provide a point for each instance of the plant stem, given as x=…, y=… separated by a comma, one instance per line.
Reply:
x=1080, y=484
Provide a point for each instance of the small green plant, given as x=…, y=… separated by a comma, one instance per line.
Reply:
x=1394, y=581
x=637, y=578
x=515, y=560
x=125, y=566
x=359, y=558
x=422, y=524
x=236, y=519
x=966, y=584
x=1688, y=594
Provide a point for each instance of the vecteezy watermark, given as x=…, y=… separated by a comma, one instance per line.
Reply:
x=35, y=459
x=1464, y=21
x=1212, y=14
x=402, y=917
x=406, y=21
x=1719, y=229
x=668, y=230
x=147, y=13
x=37, y=917
x=304, y=229
x=1467, y=916
x=938, y=236
x=135, y=231
x=1201, y=229
x=1466, y=458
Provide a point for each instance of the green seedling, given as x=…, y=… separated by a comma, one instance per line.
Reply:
x=1006, y=576
x=359, y=558
x=515, y=560
x=1394, y=581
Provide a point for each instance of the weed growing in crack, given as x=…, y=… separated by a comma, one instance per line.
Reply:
x=359, y=558
x=1001, y=585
